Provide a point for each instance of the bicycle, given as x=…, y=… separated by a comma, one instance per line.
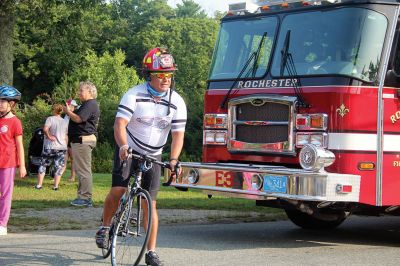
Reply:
x=130, y=227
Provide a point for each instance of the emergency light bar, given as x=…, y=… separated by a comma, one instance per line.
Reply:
x=258, y=6
x=242, y=7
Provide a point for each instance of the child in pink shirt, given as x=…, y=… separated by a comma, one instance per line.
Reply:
x=11, y=151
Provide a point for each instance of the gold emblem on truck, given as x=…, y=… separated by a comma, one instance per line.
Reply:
x=342, y=110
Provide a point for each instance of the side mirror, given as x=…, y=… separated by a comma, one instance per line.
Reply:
x=393, y=80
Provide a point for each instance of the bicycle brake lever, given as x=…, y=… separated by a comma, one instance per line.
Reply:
x=173, y=173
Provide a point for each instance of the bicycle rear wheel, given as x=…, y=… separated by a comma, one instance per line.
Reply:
x=132, y=232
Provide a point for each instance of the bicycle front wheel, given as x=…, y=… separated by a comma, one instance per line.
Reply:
x=106, y=251
x=132, y=232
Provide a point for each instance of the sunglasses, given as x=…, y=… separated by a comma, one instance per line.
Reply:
x=162, y=75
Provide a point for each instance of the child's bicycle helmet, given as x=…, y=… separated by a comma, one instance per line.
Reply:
x=9, y=93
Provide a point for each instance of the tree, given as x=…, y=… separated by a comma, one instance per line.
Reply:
x=7, y=20
x=53, y=38
x=189, y=9
x=134, y=16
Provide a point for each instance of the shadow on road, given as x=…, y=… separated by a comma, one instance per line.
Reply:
x=383, y=231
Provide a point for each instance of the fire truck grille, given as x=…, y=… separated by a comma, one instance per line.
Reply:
x=261, y=124
x=269, y=134
x=266, y=112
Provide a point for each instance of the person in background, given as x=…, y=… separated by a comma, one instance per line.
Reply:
x=72, y=106
x=145, y=116
x=11, y=145
x=54, y=146
x=82, y=131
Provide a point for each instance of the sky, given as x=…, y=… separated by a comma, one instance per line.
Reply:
x=209, y=6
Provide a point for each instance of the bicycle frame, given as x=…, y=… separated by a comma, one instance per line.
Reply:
x=123, y=222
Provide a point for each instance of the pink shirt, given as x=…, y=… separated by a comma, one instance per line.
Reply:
x=9, y=129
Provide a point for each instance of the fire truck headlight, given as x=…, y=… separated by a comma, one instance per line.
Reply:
x=214, y=137
x=302, y=139
x=314, y=158
x=193, y=176
x=318, y=139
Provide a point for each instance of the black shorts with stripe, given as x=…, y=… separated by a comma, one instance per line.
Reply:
x=121, y=174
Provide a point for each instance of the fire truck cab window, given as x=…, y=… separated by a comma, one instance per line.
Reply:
x=243, y=46
x=346, y=41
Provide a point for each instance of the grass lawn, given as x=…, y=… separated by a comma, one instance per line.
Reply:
x=25, y=196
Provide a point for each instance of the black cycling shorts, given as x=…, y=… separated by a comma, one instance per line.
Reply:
x=150, y=179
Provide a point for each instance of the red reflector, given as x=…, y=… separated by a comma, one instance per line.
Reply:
x=301, y=121
x=219, y=120
x=347, y=189
x=344, y=188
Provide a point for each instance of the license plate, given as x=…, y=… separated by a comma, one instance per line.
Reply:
x=275, y=184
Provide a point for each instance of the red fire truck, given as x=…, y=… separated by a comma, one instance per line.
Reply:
x=302, y=110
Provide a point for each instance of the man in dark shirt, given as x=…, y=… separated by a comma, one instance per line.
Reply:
x=82, y=131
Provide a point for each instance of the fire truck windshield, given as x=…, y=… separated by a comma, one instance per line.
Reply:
x=238, y=40
x=346, y=41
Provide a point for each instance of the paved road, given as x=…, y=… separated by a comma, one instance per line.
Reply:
x=359, y=241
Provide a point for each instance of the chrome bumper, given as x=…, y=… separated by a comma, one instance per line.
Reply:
x=237, y=180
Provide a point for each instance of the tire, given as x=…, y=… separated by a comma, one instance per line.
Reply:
x=130, y=237
x=323, y=220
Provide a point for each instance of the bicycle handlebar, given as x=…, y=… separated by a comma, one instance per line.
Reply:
x=151, y=159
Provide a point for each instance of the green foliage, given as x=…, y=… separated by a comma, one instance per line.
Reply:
x=34, y=116
x=188, y=9
x=108, y=72
x=102, y=158
x=53, y=37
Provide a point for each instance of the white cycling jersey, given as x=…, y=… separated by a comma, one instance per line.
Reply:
x=149, y=124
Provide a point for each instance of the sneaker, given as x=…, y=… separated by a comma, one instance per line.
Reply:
x=37, y=187
x=3, y=231
x=82, y=203
x=102, y=237
x=151, y=258
x=55, y=188
x=89, y=203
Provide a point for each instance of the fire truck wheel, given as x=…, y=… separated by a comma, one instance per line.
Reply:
x=322, y=220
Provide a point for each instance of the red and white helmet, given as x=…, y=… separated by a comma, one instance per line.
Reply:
x=158, y=60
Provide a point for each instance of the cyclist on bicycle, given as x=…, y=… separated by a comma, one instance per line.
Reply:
x=146, y=115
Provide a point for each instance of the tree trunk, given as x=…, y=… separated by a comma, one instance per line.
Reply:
x=6, y=47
